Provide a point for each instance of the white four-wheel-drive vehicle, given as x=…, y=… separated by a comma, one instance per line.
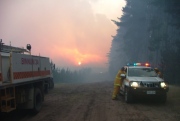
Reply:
x=142, y=81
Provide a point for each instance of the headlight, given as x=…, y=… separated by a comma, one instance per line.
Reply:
x=163, y=84
x=134, y=84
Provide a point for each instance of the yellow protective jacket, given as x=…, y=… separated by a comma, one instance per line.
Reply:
x=118, y=80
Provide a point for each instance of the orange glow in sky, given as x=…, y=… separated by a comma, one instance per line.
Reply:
x=79, y=63
x=70, y=32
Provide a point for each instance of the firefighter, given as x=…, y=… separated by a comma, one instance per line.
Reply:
x=118, y=82
x=158, y=72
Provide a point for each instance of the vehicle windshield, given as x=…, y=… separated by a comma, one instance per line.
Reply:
x=142, y=72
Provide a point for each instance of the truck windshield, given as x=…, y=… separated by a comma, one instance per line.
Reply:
x=142, y=72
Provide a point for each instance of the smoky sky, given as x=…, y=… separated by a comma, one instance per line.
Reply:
x=67, y=31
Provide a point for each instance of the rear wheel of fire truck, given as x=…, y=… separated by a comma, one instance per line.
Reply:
x=128, y=96
x=37, y=100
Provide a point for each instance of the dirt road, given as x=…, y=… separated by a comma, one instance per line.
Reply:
x=92, y=102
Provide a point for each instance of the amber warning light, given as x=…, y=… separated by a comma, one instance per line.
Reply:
x=146, y=64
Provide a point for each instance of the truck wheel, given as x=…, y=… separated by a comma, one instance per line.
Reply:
x=128, y=96
x=37, y=100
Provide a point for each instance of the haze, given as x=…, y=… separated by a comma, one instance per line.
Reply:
x=68, y=31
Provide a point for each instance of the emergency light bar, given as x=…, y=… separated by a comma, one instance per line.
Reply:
x=138, y=64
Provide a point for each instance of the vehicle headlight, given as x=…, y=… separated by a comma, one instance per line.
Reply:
x=134, y=84
x=163, y=84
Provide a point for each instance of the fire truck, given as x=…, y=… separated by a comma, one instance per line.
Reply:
x=24, y=79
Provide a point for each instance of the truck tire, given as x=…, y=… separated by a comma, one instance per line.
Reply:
x=128, y=96
x=37, y=100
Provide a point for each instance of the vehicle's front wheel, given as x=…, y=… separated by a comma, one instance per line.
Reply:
x=128, y=96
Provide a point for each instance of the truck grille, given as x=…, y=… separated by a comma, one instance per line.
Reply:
x=149, y=84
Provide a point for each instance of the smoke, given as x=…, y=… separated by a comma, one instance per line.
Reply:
x=67, y=31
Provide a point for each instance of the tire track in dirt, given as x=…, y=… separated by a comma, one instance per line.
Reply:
x=101, y=103
x=88, y=109
x=95, y=110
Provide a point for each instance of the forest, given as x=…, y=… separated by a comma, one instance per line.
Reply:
x=148, y=31
x=62, y=75
x=85, y=75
